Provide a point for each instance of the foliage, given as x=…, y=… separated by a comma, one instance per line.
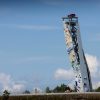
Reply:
x=58, y=89
x=48, y=90
x=61, y=88
x=97, y=90
x=26, y=92
x=6, y=95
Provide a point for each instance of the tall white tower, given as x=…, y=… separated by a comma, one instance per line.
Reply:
x=76, y=54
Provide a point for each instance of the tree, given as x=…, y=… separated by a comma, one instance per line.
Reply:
x=48, y=90
x=59, y=89
x=62, y=88
x=98, y=89
x=56, y=89
x=26, y=92
x=6, y=95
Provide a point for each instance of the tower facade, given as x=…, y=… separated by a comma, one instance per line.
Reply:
x=76, y=54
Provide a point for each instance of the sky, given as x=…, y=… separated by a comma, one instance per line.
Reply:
x=33, y=53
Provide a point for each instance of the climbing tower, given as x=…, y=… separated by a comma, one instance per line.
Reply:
x=76, y=54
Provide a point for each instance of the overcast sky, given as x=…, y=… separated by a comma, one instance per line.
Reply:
x=32, y=46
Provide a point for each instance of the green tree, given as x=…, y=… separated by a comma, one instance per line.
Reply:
x=6, y=95
x=48, y=90
x=98, y=89
x=56, y=89
x=26, y=92
x=61, y=88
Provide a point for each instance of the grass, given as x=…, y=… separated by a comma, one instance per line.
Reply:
x=62, y=96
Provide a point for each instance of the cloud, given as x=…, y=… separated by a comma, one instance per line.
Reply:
x=30, y=27
x=37, y=27
x=32, y=59
x=64, y=74
x=8, y=84
x=17, y=87
x=93, y=64
x=14, y=60
x=96, y=85
x=5, y=80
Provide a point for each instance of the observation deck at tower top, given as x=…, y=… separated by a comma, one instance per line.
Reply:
x=71, y=16
x=71, y=19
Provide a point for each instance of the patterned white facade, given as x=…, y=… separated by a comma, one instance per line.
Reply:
x=76, y=54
